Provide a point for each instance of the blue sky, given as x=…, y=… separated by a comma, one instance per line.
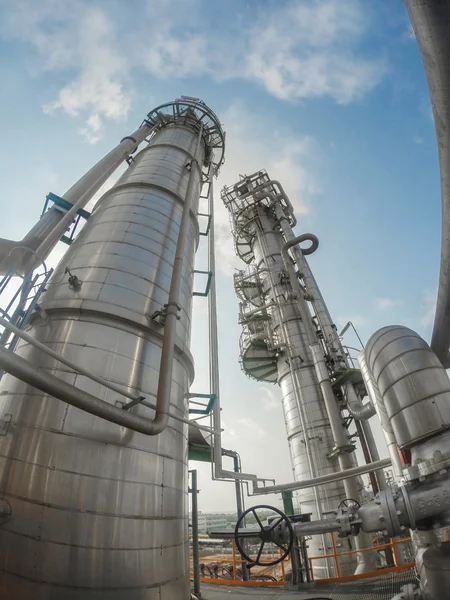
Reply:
x=329, y=96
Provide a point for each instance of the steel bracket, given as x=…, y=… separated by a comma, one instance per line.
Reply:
x=208, y=283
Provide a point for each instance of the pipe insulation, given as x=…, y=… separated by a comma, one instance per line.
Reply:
x=413, y=384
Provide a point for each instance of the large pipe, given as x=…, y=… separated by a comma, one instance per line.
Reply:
x=431, y=23
x=413, y=384
x=358, y=410
x=43, y=237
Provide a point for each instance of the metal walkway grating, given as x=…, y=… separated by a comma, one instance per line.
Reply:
x=377, y=588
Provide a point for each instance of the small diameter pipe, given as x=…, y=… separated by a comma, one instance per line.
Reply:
x=82, y=371
x=322, y=480
x=49, y=384
x=339, y=434
x=312, y=289
x=65, y=361
x=171, y=316
x=195, y=545
x=374, y=454
x=377, y=400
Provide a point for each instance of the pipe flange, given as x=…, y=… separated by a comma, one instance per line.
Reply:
x=343, y=518
x=5, y=511
x=440, y=461
x=389, y=516
x=408, y=506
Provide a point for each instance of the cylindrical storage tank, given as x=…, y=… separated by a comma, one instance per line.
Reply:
x=412, y=382
x=99, y=511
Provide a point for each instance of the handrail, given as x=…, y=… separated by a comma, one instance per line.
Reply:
x=335, y=555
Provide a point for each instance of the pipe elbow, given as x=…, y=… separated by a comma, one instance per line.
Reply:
x=412, y=383
x=305, y=237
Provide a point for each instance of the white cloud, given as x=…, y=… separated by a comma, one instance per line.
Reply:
x=255, y=141
x=247, y=424
x=417, y=139
x=81, y=42
x=386, y=303
x=294, y=50
x=269, y=398
x=309, y=49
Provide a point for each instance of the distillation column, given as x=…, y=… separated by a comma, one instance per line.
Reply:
x=98, y=510
x=276, y=347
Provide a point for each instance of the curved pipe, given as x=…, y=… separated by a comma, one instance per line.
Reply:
x=355, y=407
x=431, y=23
x=413, y=384
x=49, y=384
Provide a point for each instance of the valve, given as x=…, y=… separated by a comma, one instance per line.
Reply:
x=279, y=532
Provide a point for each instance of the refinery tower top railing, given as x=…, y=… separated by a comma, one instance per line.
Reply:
x=195, y=114
x=243, y=198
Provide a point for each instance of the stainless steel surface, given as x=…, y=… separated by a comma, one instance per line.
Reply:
x=366, y=561
x=413, y=384
x=100, y=511
x=282, y=333
x=25, y=255
x=31, y=340
x=431, y=22
x=355, y=407
x=436, y=562
x=310, y=419
x=312, y=290
x=324, y=479
x=375, y=396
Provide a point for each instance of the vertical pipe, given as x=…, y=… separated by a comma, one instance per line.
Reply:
x=365, y=560
x=195, y=548
x=336, y=560
x=377, y=400
x=366, y=453
x=214, y=384
x=239, y=505
x=373, y=453
x=233, y=550
x=172, y=307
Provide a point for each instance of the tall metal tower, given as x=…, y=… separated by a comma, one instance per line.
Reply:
x=93, y=491
x=289, y=338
